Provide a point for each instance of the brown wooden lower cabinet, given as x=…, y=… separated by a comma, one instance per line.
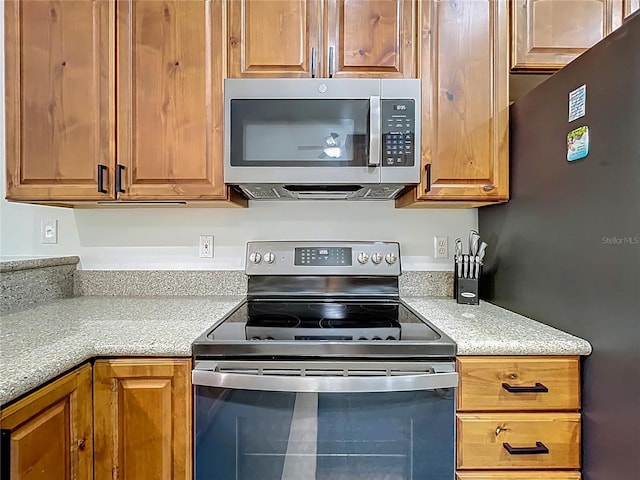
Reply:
x=518, y=440
x=533, y=475
x=142, y=417
x=49, y=433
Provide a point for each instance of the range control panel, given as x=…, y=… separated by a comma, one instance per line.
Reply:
x=323, y=258
x=398, y=133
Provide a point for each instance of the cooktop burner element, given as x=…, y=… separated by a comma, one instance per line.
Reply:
x=267, y=320
x=342, y=301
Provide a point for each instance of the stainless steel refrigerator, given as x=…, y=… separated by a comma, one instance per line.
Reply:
x=565, y=250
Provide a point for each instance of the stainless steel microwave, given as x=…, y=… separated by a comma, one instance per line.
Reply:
x=322, y=138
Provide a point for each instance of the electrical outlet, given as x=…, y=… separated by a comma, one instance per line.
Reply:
x=49, y=231
x=441, y=247
x=206, y=246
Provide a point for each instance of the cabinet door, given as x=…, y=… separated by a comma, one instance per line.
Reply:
x=142, y=419
x=49, y=433
x=170, y=99
x=275, y=38
x=465, y=102
x=548, y=34
x=371, y=38
x=59, y=98
x=503, y=441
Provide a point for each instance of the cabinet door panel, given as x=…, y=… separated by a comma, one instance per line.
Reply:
x=170, y=99
x=548, y=34
x=59, y=98
x=371, y=38
x=530, y=475
x=143, y=417
x=482, y=379
x=51, y=430
x=482, y=438
x=465, y=100
x=273, y=38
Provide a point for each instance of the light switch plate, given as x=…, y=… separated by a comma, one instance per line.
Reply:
x=49, y=231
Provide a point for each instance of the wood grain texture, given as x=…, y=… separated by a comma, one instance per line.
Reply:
x=143, y=419
x=372, y=38
x=273, y=38
x=170, y=73
x=481, y=437
x=59, y=74
x=464, y=72
x=530, y=475
x=481, y=381
x=51, y=430
x=548, y=34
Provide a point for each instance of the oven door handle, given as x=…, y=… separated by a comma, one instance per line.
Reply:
x=324, y=384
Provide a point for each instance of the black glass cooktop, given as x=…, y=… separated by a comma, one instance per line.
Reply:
x=322, y=320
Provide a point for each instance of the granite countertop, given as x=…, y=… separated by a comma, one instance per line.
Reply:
x=17, y=263
x=39, y=343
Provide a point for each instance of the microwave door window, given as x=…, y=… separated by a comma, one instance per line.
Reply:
x=313, y=133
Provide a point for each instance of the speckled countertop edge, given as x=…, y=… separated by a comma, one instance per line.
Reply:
x=42, y=342
x=9, y=265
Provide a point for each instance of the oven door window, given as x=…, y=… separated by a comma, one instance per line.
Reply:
x=248, y=435
x=299, y=133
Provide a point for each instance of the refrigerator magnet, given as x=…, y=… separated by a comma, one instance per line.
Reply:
x=578, y=143
x=577, y=103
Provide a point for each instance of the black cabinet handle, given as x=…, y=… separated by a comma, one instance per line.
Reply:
x=313, y=62
x=427, y=168
x=101, y=171
x=5, y=454
x=119, y=169
x=537, y=388
x=539, y=449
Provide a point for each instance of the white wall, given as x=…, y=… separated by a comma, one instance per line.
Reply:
x=167, y=238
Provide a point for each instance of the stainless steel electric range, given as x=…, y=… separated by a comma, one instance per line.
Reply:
x=323, y=372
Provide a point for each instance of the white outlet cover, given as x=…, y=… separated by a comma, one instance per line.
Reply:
x=206, y=246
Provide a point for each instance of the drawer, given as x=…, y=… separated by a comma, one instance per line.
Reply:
x=532, y=475
x=501, y=383
x=484, y=440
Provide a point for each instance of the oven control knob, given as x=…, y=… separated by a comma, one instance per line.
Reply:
x=391, y=258
x=376, y=338
x=269, y=257
x=362, y=338
x=363, y=258
x=391, y=337
x=376, y=258
x=255, y=257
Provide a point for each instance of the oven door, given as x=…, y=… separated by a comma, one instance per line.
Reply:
x=302, y=132
x=324, y=420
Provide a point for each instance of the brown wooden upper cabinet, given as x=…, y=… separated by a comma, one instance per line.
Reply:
x=169, y=88
x=77, y=130
x=59, y=66
x=464, y=70
x=322, y=38
x=548, y=34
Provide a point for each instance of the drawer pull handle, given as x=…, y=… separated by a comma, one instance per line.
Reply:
x=537, y=388
x=540, y=448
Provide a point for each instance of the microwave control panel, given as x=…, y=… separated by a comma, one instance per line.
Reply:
x=398, y=132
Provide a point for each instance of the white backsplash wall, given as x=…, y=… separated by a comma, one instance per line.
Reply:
x=123, y=238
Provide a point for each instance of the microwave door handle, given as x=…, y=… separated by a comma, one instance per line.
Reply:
x=374, y=131
x=324, y=384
